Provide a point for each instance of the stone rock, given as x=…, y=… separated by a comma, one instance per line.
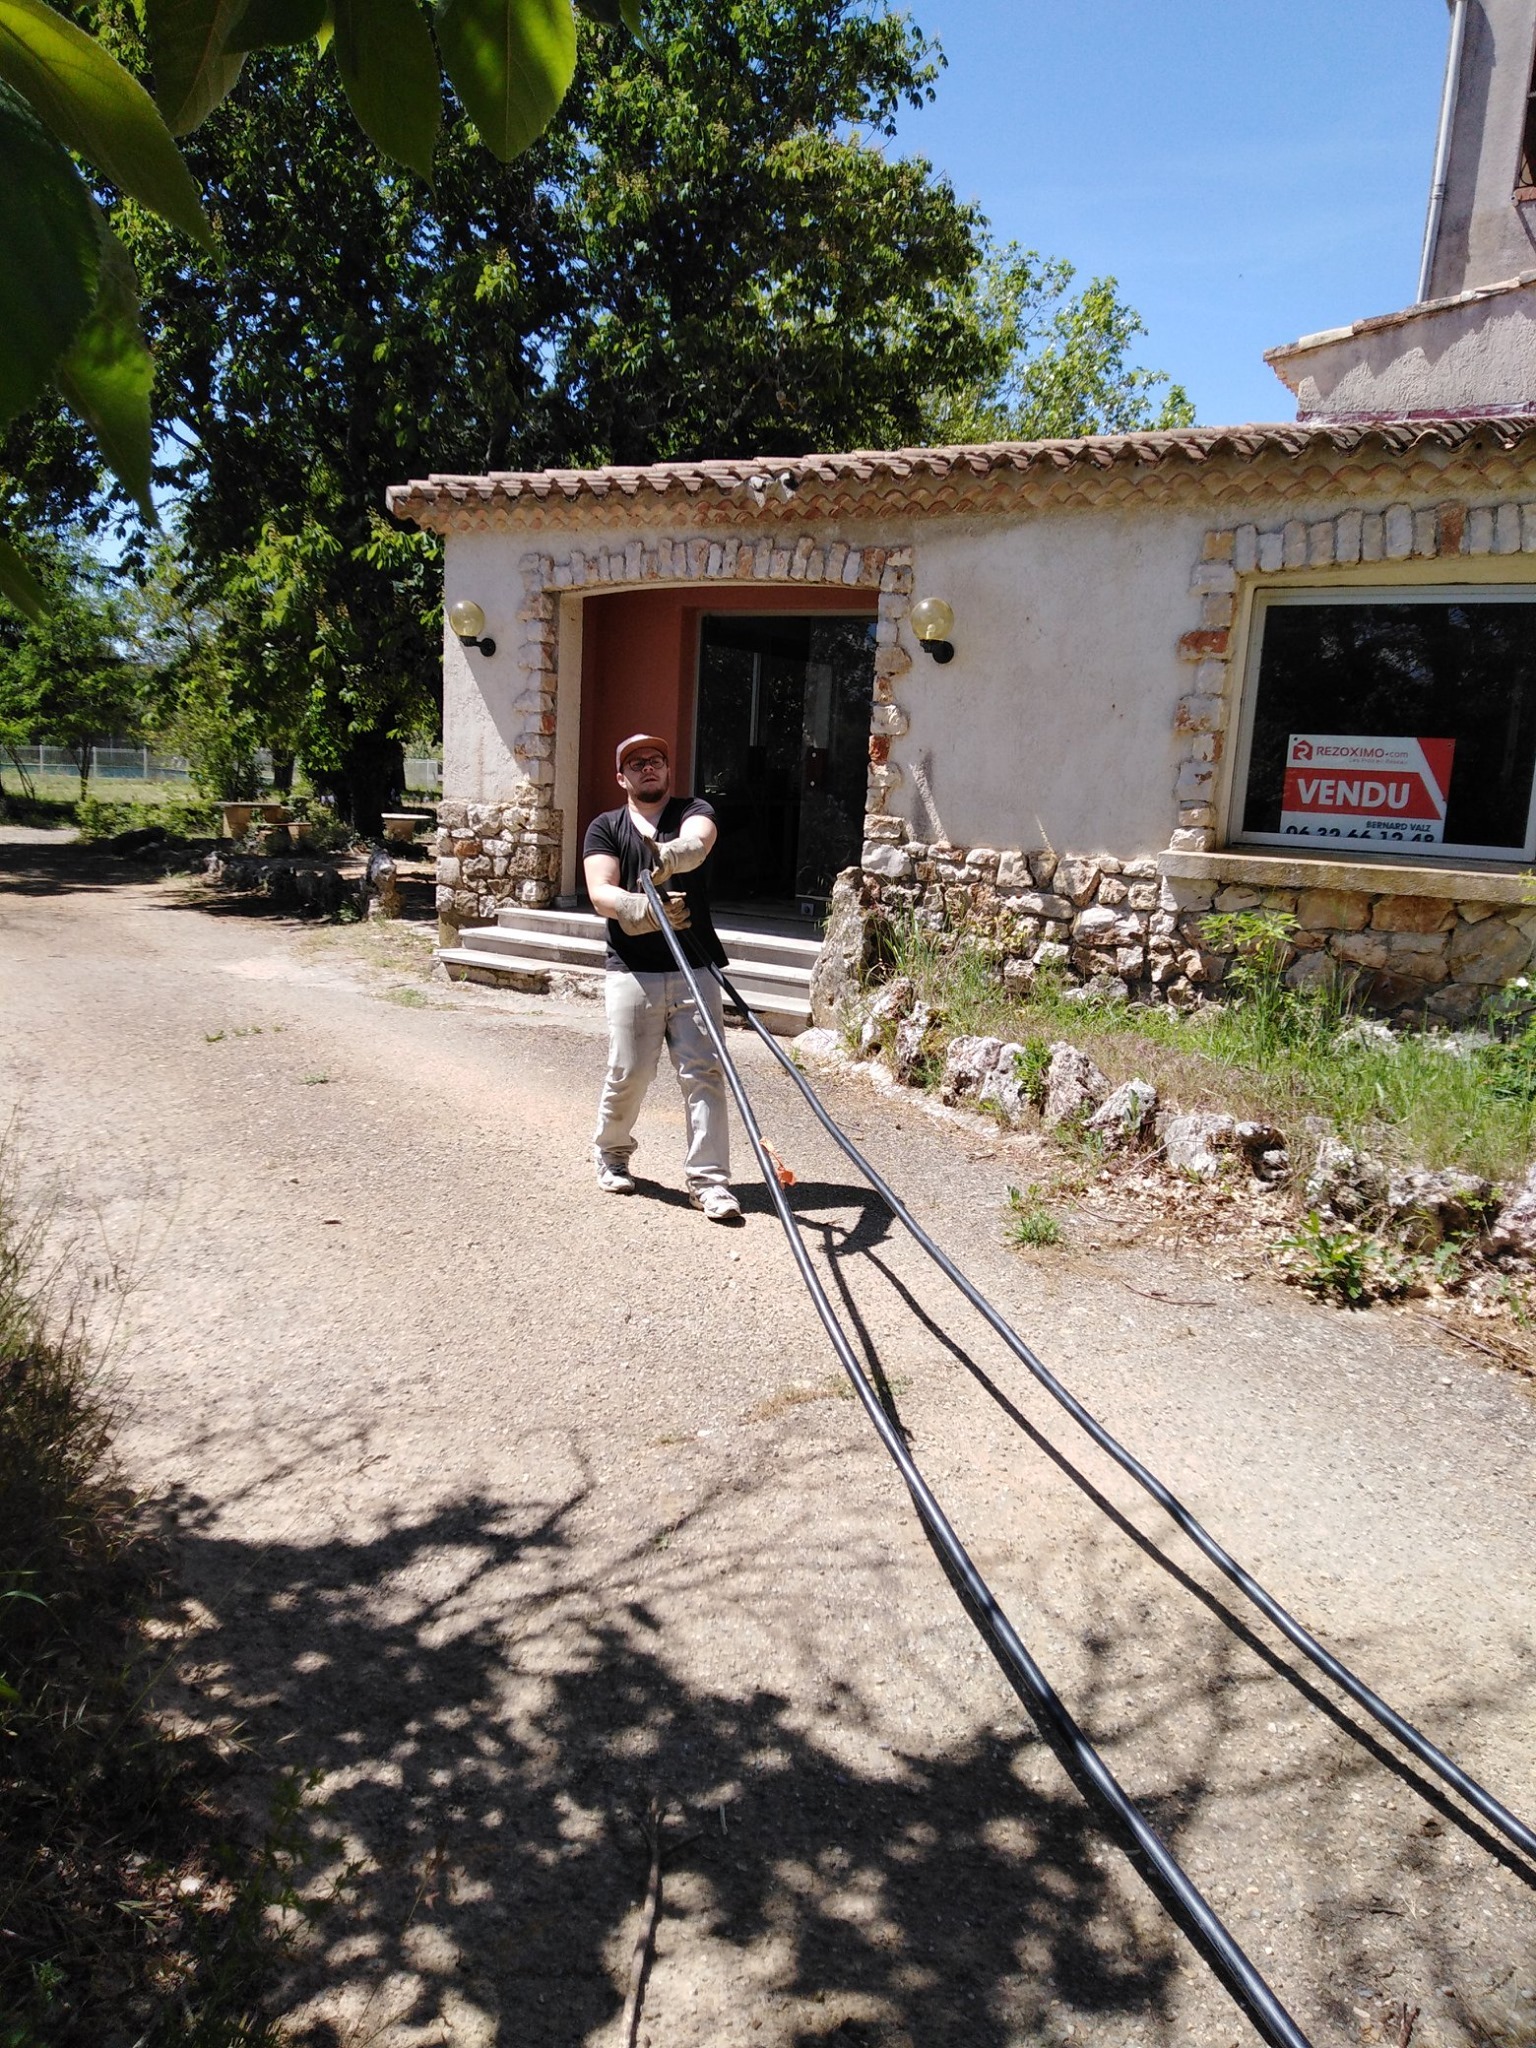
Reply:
x=1310, y=970
x=1265, y=1150
x=1043, y=867
x=1018, y=976
x=1196, y=1142
x=1332, y=910
x=908, y=1046
x=890, y=862
x=1051, y=955
x=1235, y=898
x=1427, y=1208
x=1491, y=952
x=967, y=1062
x=1359, y=949
x=1514, y=1234
x=889, y=1006
x=1366, y=1034
x=1074, y=1087
x=1013, y=871
x=1125, y=1117
x=1400, y=992
x=1076, y=878
x=1102, y=926
x=1411, y=914
x=1001, y=1089
x=1345, y=1185
x=1098, y=988
x=1452, y=1004
x=1035, y=903
x=818, y=1047
x=847, y=953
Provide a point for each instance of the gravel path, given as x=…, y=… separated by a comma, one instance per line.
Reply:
x=507, y=1506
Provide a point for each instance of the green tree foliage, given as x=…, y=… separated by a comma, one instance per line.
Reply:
x=69, y=307
x=624, y=291
x=65, y=679
x=360, y=328
x=710, y=252
x=1061, y=365
x=753, y=272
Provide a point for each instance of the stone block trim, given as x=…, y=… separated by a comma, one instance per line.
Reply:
x=1229, y=555
x=495, y=854
x=1143, y=921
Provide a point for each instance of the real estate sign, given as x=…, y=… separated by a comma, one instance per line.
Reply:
x=1389, y=792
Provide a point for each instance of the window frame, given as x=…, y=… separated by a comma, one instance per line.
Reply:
x=1368, y=852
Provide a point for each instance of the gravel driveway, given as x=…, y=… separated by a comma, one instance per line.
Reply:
x=508, y=1507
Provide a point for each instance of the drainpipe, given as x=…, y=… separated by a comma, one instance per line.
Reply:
x=1443, y=146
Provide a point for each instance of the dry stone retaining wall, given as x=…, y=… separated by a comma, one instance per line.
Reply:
x=1097, y=915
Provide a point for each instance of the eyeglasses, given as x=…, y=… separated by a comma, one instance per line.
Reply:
x=636, y=763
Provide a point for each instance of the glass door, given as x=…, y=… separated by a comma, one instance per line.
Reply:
x=781, y=749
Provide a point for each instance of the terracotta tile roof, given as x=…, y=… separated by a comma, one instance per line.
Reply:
x=778, y=478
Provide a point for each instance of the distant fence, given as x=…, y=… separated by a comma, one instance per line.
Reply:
x=143, y=764
x=121, y=764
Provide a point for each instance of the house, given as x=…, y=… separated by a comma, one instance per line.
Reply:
x=1073, y=694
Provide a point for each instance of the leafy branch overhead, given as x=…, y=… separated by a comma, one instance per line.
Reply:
x=69, y=305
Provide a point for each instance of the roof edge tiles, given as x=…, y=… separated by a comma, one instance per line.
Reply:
x=764, y=482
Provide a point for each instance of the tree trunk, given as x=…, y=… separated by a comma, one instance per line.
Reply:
x=282, y=774
x=371, y=780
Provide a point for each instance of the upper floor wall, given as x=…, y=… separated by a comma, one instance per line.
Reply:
x=1487, y=230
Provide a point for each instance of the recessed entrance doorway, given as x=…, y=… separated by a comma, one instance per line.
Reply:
x=781, y=749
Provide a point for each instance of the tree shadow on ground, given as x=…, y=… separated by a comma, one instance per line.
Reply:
x=491, y=1725
x=73, y=868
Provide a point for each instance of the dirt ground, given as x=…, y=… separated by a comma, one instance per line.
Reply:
x=506, y=1507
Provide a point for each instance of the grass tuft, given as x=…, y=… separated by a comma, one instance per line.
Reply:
x=1031, y=1225
x=1266, y=1051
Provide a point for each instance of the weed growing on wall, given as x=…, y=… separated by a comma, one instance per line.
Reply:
x=1292, y=1057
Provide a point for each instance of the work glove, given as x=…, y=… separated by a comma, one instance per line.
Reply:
x=676, y=857
x=634, y=916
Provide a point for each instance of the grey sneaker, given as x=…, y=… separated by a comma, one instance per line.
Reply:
x=614, y=1178
x=718, y=1203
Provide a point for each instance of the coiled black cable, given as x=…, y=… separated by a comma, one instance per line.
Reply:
x=1477, y=1796
x=1155, y=1863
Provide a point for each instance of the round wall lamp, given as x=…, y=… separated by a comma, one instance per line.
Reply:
x=468, y=623
x=933, y=622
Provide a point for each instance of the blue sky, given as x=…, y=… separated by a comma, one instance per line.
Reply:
x=1249, y=173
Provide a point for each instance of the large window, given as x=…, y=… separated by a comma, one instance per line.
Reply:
x=1392, y=722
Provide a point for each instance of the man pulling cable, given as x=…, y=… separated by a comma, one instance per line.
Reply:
x=647, y=1000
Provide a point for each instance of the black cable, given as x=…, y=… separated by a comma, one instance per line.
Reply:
x=1493, y=1810
x=1155, y=1863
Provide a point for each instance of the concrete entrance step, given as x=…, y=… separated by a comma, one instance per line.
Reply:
x=771, y=970
x=541, y=928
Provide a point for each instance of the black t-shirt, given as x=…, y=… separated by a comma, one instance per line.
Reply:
x=615, y=833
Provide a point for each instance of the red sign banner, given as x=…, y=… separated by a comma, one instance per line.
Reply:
x=1385, y=791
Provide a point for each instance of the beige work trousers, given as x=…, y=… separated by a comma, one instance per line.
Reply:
x=646, y=1011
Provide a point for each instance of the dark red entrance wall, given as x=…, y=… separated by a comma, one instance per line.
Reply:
x=639, y=664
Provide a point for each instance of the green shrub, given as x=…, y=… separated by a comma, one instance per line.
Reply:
x=99, y=819
x=1030, y=1223
x=1031, y=1063
x=1333, y=1264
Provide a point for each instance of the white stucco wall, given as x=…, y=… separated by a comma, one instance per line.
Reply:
x=479, y=690
x=1471, y=354
x=1053, y=725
